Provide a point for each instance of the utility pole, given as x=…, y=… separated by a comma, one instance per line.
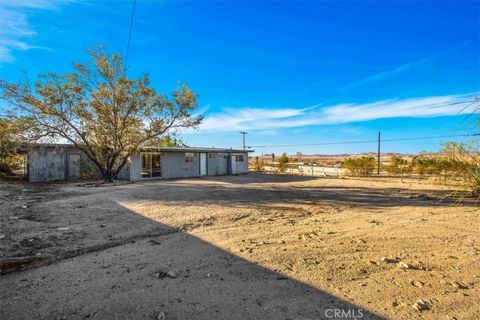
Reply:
x=378, y=154
x=243, y=136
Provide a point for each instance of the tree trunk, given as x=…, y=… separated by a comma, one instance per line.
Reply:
x=108, y=175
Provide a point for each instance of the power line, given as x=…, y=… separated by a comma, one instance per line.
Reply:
x=434, y=137
x=475, y=99
x=129, y=35
x=364, y=141
x=469, y=102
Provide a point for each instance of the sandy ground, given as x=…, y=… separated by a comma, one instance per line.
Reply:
x=246, y=247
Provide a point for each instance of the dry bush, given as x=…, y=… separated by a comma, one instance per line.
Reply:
x=361, y=166
x=465, y=158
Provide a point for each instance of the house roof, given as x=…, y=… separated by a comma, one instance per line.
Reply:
x=145, y=149
x=193, y=149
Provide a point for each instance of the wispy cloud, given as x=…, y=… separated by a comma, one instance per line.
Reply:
x=15, y=30
x=269, y=119
x=402, y=68
x=233, y=119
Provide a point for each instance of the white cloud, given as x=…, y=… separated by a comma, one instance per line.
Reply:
x=232, y=119
x=15, y=29
x=269, y=119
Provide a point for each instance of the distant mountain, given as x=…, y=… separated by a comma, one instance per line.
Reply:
x=346, y=155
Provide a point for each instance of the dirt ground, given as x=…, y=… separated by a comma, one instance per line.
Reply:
x=245, y=247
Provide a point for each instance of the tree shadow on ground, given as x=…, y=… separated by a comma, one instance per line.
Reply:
x=130, y=279
x=244, y=192
x=260, y=177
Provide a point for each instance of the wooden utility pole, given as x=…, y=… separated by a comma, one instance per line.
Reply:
x=243, y=135
x=378, y=155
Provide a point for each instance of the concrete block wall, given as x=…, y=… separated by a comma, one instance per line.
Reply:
x=124, y=173
x=174, y=165
x=47, y=164
x=60, y=164
x=135, y=167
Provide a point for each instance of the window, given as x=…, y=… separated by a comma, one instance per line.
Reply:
x=239, y=158
x=189, y=156
x=223, y=155
x=156, y=166
x=212, y=155
x=151, y=165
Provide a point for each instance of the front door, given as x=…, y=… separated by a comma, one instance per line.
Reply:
x=233, y=160
x=203, y=164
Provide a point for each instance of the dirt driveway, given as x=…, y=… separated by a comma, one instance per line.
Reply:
x=245, y=247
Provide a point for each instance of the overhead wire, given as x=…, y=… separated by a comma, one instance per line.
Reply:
x=365, y=141
x=129, y=35
x=469, y=102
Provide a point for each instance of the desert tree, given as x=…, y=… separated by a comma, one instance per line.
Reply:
x=100, y=110
x=168, y=140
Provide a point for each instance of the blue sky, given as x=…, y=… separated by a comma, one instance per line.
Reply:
x=286, y=72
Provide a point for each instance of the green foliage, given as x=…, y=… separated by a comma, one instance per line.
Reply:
x=360, y=166
x=10, y=141
x=439, y=165
x=283, y=162
x=397, y=165
x=99, y=110
x=424, y=164
x=169, y=140
x=87, y=169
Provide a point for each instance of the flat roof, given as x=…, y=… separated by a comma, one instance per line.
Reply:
x=157, y=149
x=193, y=149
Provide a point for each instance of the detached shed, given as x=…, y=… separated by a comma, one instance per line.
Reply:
x=63, y=162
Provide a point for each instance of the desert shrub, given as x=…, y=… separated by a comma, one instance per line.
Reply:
x=441, y=165
x=258, y=164
x=283, y=162
x=397, y=165
x=360, y=166
x=445, y=167
x=424, y=164
x=464, y=161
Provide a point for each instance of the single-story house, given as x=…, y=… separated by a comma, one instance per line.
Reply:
x=64, y=162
